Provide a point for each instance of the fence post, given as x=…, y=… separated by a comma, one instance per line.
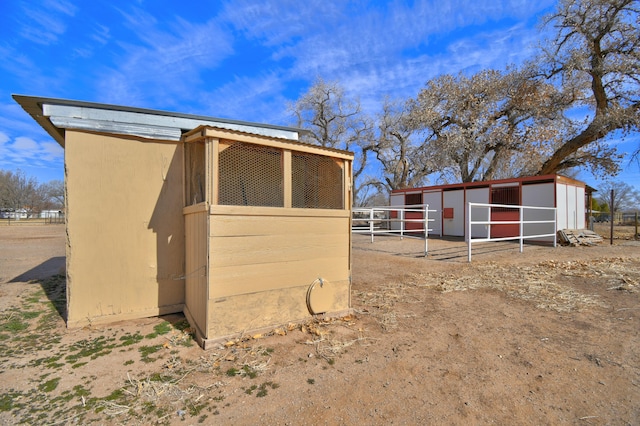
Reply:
x=555, y=227
x=401, y=216
x=371, y=223
x=426, y=229
x=521, y=229
x=469, y=233
x=635, y=236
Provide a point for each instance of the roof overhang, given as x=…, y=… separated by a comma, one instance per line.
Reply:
x=58, y=115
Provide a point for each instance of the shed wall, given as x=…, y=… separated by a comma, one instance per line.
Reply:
x=125, y=235
x=434, y=200
x=580, y=208
x=561, y=204
x=263, y=260
x=478, y=195
x=455, y=200
x=539, y=195
x=196, y=265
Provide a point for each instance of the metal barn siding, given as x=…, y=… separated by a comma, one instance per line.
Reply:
x=454, y=226
x=567, y=195
x=477, y=195
x=540, y=195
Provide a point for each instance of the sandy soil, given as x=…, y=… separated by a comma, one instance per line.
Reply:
x=548, y=336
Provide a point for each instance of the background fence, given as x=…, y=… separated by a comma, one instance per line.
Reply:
x=402, y=221
x=625, y=225
x=37, y=218
x=531, y=223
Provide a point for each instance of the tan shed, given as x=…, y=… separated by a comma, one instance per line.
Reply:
x=237, y=224
x=267, y=231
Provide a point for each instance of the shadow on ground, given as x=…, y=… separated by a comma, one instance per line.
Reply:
x=53, y=266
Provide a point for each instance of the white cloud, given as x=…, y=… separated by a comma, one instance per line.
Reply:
x=25, y=151
x=45, y=23
x=164, y=64
x=379, y=47
x=250, y=99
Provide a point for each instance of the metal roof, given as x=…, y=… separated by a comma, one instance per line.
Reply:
x=57, y=115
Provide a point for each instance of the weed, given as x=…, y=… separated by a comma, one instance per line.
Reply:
x=49, y=385
x=181, y=325
x=30, y=315
x=331, y=361
x=202, y=418
x=250, y=372
x=145, y=351
x=129, y=362
x=311, y=381
x=14, y=325
x=157, y=377
x=80, y=390
x=195, y=410
x=148, y=407
x=95, y=348
x=162, y=328
x=7, y=400
x=115, y=395
x=232, y=372
x=130, y=339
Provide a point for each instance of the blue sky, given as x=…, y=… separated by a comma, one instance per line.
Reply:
x=243, y=59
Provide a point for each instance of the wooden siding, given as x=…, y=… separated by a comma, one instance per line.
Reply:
x=258, y=253
x=267, y=309
x=196, y=267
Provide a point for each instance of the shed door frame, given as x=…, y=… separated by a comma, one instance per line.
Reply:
x=505, y=194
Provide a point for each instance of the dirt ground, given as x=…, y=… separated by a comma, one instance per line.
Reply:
x=548, y=336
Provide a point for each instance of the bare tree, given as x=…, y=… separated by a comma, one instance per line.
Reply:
x=21, y=192
x=336, y=121
x=626, y=196
x=405, y=162
x=490, y=125
x=54, y=191
x=594, y=58
x=18, y=191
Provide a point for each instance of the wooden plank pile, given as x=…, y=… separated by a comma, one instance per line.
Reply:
x=578, y=237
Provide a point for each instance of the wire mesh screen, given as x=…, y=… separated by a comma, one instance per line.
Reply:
x=250, y=175
x=316, y=181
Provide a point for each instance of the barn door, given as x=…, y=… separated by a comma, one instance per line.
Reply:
x=508, y=195
x=415, y=217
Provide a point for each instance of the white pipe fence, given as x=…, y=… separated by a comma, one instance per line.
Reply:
x=521, y=222
x=393, y=220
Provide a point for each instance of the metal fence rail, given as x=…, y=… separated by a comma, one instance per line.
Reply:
x=393, y=220
x=521, y=222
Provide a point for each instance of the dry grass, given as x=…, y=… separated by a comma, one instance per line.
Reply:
x=542, y=283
